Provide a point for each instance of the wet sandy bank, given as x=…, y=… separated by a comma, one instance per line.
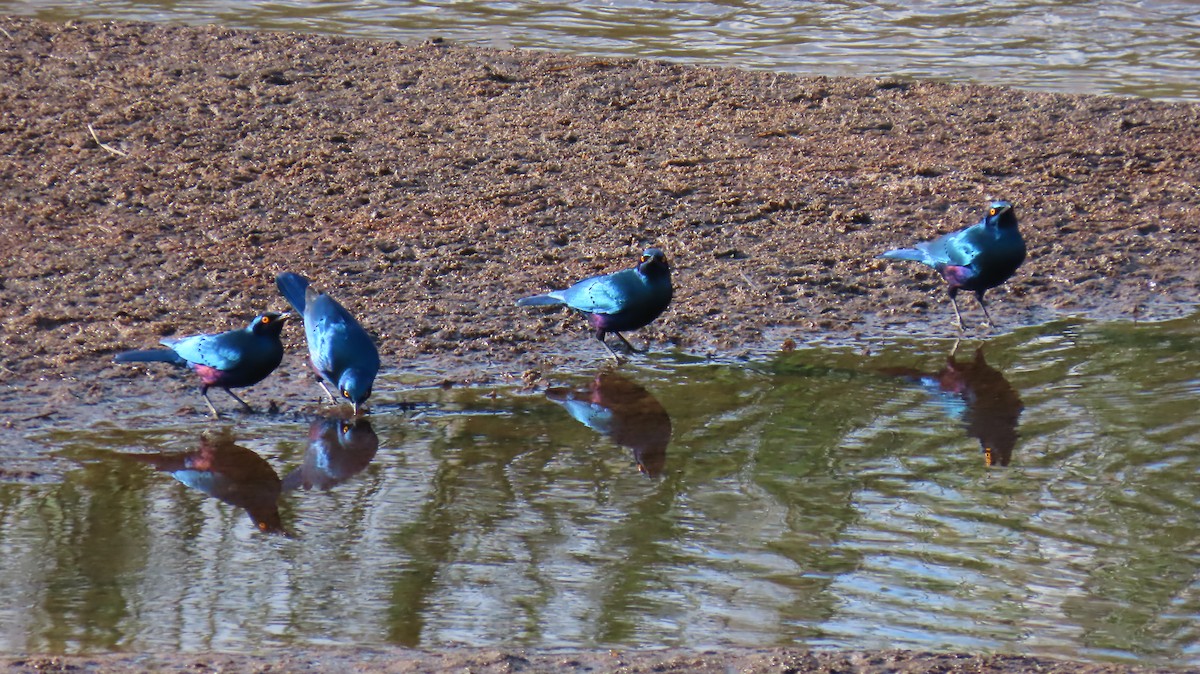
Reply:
x=429, y=185
x=499, y=661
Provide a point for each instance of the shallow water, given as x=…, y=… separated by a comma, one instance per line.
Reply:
x=1037, y=497
x=1147, y=49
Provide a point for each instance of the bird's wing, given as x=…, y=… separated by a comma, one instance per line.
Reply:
x=324, y=334
x=602, y=294
x=221, y=352
x=957, y=248
x=335, y=339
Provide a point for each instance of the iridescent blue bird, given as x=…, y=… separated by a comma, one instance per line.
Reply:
x=977, y=258
x=340, y=350
x=225, y=360
x=617, y=302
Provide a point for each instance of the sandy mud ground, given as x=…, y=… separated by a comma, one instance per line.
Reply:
x=490, y=661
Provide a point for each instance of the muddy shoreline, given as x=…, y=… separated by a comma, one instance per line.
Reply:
x=157, y=178
x=501, y=661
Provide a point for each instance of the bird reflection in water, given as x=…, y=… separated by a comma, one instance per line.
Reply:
x=992, y=405
x=337, y=450
x=227, y=472
x=628, y=414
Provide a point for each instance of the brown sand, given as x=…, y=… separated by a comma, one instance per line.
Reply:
x=154, y=179
x=493, y=661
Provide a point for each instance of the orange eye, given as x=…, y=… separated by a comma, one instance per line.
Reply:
x=266, y=319
x=992, y=212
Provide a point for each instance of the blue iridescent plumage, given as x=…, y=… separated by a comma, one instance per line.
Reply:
x=340, y=350
x=977, y=258
x=617, y=302
x=226, y=360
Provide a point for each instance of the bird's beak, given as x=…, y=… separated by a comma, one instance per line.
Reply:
x=355, y=405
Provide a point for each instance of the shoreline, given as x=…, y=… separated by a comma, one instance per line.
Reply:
x=777, y=660
x=159, y=177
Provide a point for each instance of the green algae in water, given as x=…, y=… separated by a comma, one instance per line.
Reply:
x=1035, y=493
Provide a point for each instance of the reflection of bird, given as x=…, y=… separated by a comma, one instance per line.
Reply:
x=337, y=450
x=977, y=258
x=341, y=351
x=626, y=413
x=992, y=404
x=226, y=360
x=617, y=302
x=229, y=473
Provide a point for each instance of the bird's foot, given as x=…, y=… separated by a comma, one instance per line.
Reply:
x=613, y=354
x=245, y=405
x=957, y=314
x=631, y=347
x=987, y=317
x=212, y=410
x=333, y=399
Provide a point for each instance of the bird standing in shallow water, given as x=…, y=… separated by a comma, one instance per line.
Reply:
x=977, y=258
x=226, y=360
x=617, y=302
x=340, y=350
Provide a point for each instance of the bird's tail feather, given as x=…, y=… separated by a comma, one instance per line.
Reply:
x=292, y=287
x=906, y=254
x=150, y=356
x=538, y=300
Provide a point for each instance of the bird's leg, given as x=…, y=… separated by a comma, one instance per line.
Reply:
x=954, y=349
x=245, y=405
x=600, y=336
x=957, y=314
x=329, y=393
x=983, y=305
x=204, y=392
x=630, y=346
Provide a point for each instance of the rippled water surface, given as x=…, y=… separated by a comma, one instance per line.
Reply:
x=1038, y=495
x=1143, y=48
